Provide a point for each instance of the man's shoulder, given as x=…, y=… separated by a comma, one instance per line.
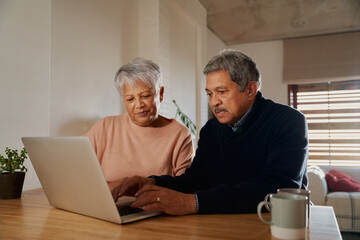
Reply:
x=281, y=109
x=211, y=127
x=212, y=122
x=282, y=117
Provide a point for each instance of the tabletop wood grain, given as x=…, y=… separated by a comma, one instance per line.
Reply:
x=31, y=217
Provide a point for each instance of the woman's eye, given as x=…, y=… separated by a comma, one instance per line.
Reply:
x=146, y=96
x=129, y=99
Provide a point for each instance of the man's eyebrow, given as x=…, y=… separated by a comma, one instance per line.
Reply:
x=221, y=87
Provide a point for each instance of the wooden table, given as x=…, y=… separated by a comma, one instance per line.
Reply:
x=31, y=217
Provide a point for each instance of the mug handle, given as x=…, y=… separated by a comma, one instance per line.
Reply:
x=261, y=204
x=267, y=200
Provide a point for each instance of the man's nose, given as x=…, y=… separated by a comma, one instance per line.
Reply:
x=215, y=101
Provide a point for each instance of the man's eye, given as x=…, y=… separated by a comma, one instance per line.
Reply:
x=209, y=94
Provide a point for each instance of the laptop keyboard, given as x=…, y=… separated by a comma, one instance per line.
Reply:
x=127, y=210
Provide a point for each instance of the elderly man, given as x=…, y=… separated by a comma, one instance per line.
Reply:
x=252, y=147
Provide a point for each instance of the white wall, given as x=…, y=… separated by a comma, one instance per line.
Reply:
x=57, y=63
x=58, y=59
x=214, y=46
x=269, y=59
x=25, y=35
x=85, y=55
x=179, y=50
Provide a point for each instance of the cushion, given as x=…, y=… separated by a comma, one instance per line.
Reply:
x=338, y=181
x=346, y=207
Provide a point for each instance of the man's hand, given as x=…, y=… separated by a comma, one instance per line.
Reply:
x=151, y=197
x=130, y=186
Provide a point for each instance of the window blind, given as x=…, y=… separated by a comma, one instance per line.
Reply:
x=321, y=59
x=332, y=111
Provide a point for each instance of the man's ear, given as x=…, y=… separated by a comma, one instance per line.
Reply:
x=161, y=94
x=252, y=89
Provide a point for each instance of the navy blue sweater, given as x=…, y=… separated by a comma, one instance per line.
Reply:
x=232, y=172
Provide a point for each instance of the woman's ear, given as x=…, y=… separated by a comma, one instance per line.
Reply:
x=161, y=94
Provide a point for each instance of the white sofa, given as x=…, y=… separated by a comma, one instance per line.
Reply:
x=346, y=204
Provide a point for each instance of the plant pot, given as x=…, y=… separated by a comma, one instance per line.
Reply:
x=11, y=185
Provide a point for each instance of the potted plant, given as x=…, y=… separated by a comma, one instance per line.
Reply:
x=12, y=173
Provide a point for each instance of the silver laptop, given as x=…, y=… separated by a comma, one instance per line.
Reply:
x=72, y=179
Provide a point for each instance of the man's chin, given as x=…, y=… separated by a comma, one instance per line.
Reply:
x=222, y=120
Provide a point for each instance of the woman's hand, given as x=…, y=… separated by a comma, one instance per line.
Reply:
x=130, y=186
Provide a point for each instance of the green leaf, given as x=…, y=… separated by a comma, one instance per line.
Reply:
x=185, y=119
x=13, y=161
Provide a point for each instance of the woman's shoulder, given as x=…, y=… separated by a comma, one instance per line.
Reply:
x=174, y=125
x=120, y=117
x=112, y=120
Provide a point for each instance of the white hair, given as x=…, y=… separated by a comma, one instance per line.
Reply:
x=139, y=69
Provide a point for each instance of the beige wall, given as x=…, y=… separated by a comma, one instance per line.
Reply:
x=85, y=54
x=25, y=36
x=214, y=46
x=269, y=59
x=58, y=59
x=179, y=49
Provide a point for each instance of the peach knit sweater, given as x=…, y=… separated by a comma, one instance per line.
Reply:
x=125, y=149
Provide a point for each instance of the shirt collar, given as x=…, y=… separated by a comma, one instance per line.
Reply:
x=239, y=122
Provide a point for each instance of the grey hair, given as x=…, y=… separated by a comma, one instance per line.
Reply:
x=240, y=67
x=139, y=69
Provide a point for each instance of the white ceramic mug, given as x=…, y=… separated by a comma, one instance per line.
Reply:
x=288, y=215
x=303, y=192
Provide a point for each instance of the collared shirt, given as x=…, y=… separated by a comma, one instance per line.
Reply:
x=240, y=121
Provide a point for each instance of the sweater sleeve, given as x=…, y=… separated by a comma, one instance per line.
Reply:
x=194, y=177
x=184, y=153
x=94, y=134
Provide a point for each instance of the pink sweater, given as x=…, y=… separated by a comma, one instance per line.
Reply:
x=125, y=149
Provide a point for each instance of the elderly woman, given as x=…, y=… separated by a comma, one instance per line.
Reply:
x=140, y=142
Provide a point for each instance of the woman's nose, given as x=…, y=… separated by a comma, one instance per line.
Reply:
x=139, y=103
